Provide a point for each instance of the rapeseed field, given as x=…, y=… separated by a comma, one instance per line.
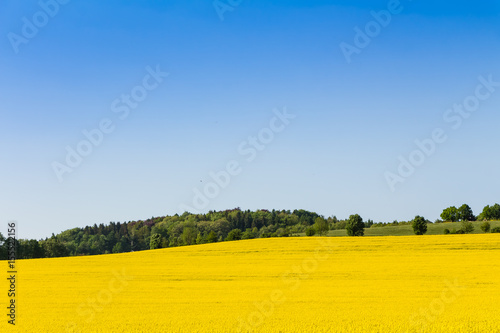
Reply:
x=444, y=283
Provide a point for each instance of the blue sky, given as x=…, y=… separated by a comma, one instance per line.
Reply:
x=225, y=78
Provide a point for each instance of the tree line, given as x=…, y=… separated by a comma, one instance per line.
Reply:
x=169, y=231
x=215, y=226
x=465, y=213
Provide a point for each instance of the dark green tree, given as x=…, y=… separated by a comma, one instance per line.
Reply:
x=465, y=213
x=212, y=237
x=419, y=225
x=355, y=226
x=34, y=249
x=233, y=235
x=155, y=242
x=495, y=212
x=3, y=248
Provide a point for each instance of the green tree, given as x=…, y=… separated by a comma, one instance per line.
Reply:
x=355, y=226
x=160, y=228
x=155, y=242
x=321, y=226
x=419, y=225
x=35, y=249
x=490, y=213
x=233, y=235
x=212, y=237
x=495, y=212
x=117, y=248
x=200, y=239
x=450, y=214
x=54, y=248
x=250, y=233
x=465, y=213
x=3, y=247
x=188, y=236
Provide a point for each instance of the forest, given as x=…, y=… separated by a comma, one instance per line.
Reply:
x=215, y=226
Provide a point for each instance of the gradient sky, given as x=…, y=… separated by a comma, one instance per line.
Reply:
x=353, y=120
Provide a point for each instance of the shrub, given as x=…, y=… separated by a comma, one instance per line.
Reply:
x=496, y=230
x=283, y=232
x=467, y=227
x=446, y=231
x=310, y=231
x=485, y=226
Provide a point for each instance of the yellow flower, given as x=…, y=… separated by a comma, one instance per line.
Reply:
x=445, y=283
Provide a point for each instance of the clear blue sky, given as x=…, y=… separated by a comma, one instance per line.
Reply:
x=225, y=78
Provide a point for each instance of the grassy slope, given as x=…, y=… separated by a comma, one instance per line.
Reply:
x=406, y=230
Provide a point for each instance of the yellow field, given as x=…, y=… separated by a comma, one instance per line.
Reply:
x=371, y=284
